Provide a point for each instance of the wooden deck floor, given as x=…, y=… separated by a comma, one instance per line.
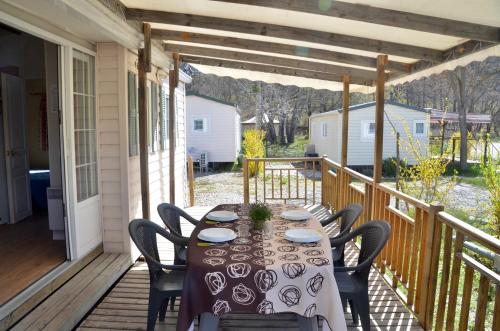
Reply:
x=125, y=307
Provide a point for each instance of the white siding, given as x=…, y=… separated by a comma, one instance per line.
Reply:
x=361, y=148
x=110, y=63
x=222, y=135
x=329, y=145
x=120, y=174
x=159, y=173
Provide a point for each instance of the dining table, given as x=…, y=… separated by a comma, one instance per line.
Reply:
x=260, y=272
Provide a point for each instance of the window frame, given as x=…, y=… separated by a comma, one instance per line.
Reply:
x=415, y=123
x=365, y=130
x=324, y=129
x=164, y=117
x=205, y=125
x=133, y=146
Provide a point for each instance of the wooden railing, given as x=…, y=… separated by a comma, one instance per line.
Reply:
x=425, y=255
x=281, y=179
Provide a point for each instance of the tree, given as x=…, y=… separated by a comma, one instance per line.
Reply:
x=469, y=85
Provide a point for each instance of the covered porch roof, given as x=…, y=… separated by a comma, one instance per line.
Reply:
x=315, y=43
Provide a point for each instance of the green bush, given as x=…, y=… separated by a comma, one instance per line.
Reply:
x=253, y=146
x=389, y=166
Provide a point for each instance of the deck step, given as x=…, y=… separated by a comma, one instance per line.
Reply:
x=69, y=304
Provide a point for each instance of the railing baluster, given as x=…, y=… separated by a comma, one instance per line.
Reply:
x=466, y=298
x=281, y=184
x=256, y=178
x=412, y=291
x=305, y=182
x=272, y=183
x=482, y=302
x=445, y=275
x=314, y=181
x=264, y=180
x=289, y=179
x=496, y=309
x=455, y=276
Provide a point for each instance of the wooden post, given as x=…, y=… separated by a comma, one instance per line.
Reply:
x=453, y=150
x=171, y=133
x=379, y=118
x=191, y=181
x=398, y=163
x=173, y=81
x=146, y=28
x=176, y=68
x=443, y=129
x=246, y=191
x=486, y=140
x=379, y=128
x=143, y=136
x=345, y=119
x=431, y=246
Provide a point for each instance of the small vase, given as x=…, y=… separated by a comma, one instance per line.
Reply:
x=258, y=225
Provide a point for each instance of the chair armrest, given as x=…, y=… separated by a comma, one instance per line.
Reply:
x=331, y=219
x=188, y=217
x=337, y=241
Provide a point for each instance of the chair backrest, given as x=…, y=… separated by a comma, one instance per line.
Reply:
x=171, y=216
x=349, y=215
x=374, y=236
x=143, y=233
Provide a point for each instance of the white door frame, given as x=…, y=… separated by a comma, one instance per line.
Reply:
x=66, y=47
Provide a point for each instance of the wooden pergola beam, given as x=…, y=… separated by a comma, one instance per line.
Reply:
x=382, y=16
x=278, y=48
x=360, y=74
x=284, y=32
x=269, y=69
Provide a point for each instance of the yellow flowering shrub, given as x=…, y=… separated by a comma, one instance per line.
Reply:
x=253, y=146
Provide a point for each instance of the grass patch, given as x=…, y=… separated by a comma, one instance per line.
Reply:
x=473, y=170
x=476, y=181
x=296, y=149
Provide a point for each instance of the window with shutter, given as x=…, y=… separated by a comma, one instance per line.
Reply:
x=133, y=116
x=154, y=117
x=164, y=117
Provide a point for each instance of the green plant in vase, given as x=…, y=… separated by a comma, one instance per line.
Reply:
x=259, y=214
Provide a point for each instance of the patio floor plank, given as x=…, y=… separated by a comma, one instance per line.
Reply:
x=125, y=306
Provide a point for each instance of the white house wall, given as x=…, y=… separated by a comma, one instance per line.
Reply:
x=360, y=148
x=111, y=75
x=158, y=161
x=329, y=145
x=221, y=136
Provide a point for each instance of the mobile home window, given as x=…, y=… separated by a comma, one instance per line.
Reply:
x=85, y=125
x=164, y=117
x=324, y=129
x=419, y=128
x=133, y=116
x=368, y=130
x=154, y=117
x=200, y=125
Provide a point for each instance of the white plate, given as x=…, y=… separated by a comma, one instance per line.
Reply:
x=296, y=215
x=222, y=216
x=216, y=235
x=303, y=235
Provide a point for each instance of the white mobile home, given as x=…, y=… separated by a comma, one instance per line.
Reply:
x=69, y=143
x=325, y=132
x=213, y=126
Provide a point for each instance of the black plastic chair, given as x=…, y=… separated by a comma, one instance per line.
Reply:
x=171, y=217
x=353, y=281
x=349, y=215
x=165, y=281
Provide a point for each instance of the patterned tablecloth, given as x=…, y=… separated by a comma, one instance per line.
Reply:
x=261, y=274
